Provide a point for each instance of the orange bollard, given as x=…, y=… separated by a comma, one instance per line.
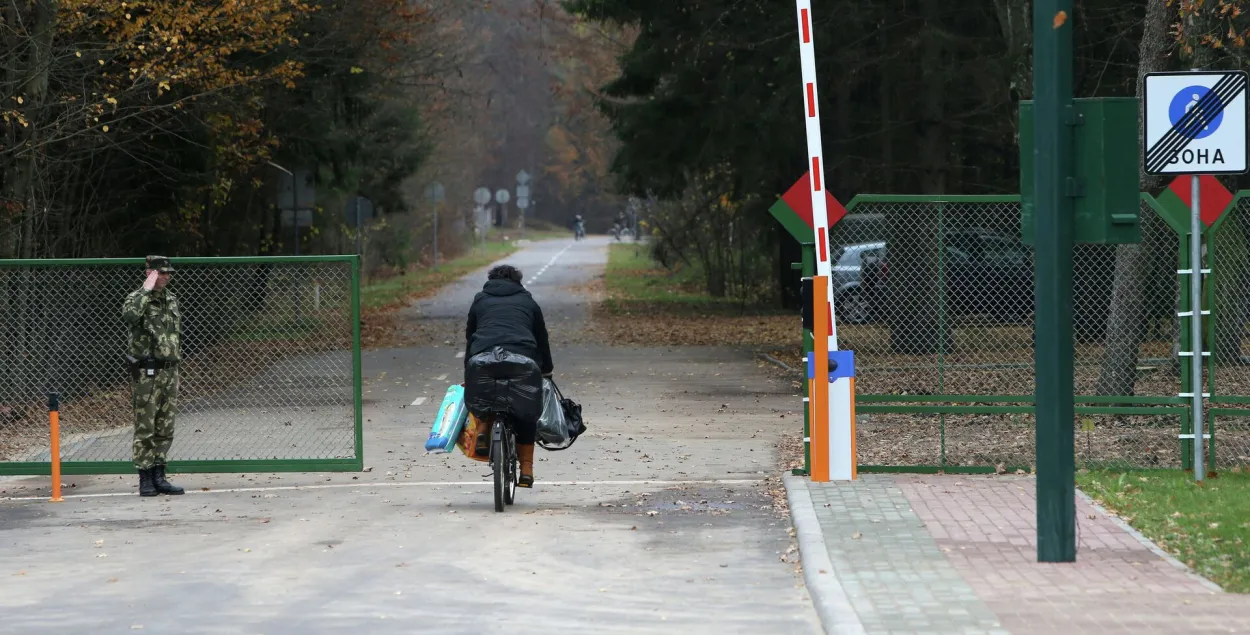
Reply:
x=54, y=416
x=819, y=401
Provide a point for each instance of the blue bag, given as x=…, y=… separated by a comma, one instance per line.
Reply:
x=452, y=416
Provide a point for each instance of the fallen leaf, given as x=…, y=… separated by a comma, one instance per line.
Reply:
x=1060, y=18
x=856, y=536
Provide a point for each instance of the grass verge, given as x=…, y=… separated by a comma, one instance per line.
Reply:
x=398, y=291
x=642, y=303
x=1205, y=526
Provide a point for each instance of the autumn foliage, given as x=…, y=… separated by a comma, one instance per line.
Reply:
x=129, y=125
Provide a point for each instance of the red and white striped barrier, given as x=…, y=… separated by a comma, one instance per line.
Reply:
x=833, y=446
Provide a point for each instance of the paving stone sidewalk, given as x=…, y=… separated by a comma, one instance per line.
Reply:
x=957, y=554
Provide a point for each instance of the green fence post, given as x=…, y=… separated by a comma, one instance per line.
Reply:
x=357, y=371
x=808, y=270
x=1054, y=116
x=941, y=253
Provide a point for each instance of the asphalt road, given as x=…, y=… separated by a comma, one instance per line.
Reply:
x=655, y=521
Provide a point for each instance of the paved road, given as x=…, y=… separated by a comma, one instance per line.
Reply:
x=654, y=522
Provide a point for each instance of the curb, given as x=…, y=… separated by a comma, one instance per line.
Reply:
x=1149, y=544
x=829, y=598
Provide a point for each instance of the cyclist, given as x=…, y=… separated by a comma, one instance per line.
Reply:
x=505, y=315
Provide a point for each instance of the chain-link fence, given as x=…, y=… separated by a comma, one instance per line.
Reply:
x=944, y=336
x=1228, y=298
x=270, y=377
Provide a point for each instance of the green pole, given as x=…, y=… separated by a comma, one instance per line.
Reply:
x=808, y=270
x=1053, y=117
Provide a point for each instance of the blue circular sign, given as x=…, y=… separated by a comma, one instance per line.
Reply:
x=1201, y=125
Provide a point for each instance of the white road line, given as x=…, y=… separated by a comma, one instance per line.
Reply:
x=483, y=484
x=419, y=401
x=534, y=278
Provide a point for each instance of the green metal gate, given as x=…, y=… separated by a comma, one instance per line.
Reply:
x=271, y=377
x=944, y=339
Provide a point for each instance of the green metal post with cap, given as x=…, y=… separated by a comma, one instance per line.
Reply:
x=1055, y=183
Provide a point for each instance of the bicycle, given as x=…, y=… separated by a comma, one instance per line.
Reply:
x=503, y=458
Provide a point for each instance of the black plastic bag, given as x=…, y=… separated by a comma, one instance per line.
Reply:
x=553, y=430
x=569, y=415
x=499, y=382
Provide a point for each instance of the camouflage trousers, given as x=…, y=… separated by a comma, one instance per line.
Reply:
x=155, y=399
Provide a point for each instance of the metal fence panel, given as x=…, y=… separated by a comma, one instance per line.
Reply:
x=1228, y=299
x=944, y=336
x=270, y=379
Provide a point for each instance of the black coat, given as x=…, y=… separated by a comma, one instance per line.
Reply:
x=504, y=314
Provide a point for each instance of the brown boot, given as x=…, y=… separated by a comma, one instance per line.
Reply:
x=525, y=455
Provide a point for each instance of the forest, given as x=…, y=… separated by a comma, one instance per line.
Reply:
x=180, y=128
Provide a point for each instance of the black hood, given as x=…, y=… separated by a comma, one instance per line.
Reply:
x=502, y=287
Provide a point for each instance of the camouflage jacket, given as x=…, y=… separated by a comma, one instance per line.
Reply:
x=155, y=324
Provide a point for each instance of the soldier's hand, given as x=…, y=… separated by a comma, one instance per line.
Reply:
x=150, y=283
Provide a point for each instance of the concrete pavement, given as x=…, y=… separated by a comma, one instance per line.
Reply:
x=655, y=521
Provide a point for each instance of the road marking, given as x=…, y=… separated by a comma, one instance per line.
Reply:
x=534, y=278
x=419, y=401
x=483, y=484
x=459, y=354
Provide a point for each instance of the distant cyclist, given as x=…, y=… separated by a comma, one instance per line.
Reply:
x=505, y=316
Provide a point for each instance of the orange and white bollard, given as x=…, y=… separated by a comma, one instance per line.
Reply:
x=54, y=418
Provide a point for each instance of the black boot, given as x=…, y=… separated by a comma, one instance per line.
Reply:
x=163, y=486
x=146, y=486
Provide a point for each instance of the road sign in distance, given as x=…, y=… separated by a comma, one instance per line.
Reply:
x=349, y=210
x=481, y=195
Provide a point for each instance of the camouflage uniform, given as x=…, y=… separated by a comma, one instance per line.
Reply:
x=155, y=323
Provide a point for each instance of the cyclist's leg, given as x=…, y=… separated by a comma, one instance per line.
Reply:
x=526, y=431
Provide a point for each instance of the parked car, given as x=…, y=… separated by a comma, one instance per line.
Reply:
x=849, y=300
x=985, y=272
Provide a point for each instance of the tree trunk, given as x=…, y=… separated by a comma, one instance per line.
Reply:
x=1015, y=21
x=1126, y=322
x=19, y=176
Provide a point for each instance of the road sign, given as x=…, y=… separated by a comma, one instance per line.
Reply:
x=481, y=195
x=304, y=218
x=522, y=177
x=1195, y=122
x=349, y=210
x=1177, y=200
x=794, y=211
x=435, y=193
x=502, y=196
x=522, y=191
x=306, y=196
x=523, y=202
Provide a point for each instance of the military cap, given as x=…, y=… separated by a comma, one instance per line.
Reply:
x=160, y=263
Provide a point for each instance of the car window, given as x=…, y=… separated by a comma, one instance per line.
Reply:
x=1003, y=253
x=838, y=254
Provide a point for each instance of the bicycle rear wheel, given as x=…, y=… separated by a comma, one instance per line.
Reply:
x=510, y=466
x=498, y=464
